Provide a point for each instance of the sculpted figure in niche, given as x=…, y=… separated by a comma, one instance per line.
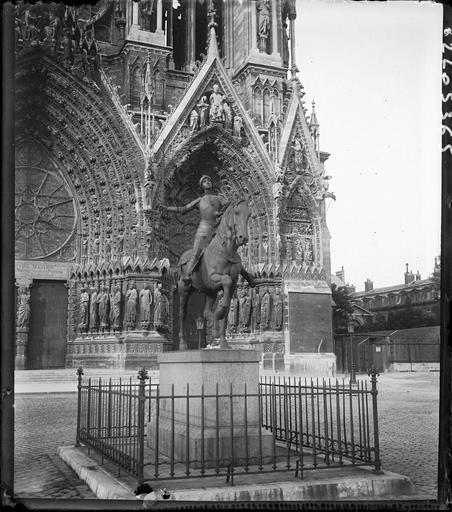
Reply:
x=245, y=311
x=237, y=128
x=104, y=302
x=115, y=308
x=216, y=107
x=93, y=311
x=265, y=310
x=145, y=307
x=131, y=306
x=263, y=9
x=84, y=310
x=194, y=120
x=308, y=256
x=233, y=315
x=278, y=311
x=23, y=309
x=256, y=310
x=211, y=206
x=227, y=115
x=161, y=309
x=203, y=107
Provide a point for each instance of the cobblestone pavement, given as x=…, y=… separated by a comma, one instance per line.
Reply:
x=408, y=410
x=408, y=419
x=42, y=423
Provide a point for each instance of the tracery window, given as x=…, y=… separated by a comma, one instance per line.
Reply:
x=45, y=218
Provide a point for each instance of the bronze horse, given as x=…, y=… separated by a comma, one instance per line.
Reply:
x=218, y=269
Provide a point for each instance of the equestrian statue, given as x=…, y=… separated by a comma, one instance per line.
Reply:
x=213, y=263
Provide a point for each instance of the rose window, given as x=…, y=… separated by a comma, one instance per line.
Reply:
x=45, y=217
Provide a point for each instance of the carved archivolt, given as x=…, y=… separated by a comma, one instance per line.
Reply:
x=97, y=161
x=216, y=152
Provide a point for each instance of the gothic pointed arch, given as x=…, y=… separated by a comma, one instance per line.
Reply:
x=94, y=155
x=217, y=153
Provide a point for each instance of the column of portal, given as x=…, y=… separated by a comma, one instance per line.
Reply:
x=293, y=66
x=134, y=12
x=159, y=16
x=253, y=27
x=274, y=23
x=191, y=25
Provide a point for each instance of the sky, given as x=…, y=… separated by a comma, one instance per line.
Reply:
x=374, y=71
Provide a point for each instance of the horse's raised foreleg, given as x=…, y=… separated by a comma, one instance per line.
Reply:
x=184, y=293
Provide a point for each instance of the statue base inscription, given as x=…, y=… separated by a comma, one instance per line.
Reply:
x=318, y=364
x=126, y=351
x=264, y=341
x=208, y=431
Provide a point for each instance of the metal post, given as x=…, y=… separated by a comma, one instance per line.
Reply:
x=79, y=403
x=373, y=379
x=142, y=376
x=352, y=363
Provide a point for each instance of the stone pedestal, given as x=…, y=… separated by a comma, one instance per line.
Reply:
x=317, y=364
x=206, y=428
x=21, y=348
x=127, y=351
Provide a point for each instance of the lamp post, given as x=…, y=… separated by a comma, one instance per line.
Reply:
x=200, y=327
x=350, y=329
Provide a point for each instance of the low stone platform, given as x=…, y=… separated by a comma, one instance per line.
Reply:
x=127, y=351
x=345, y=483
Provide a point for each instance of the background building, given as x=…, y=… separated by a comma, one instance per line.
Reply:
x=391, y=328
x=414, y=303
x=121, y=107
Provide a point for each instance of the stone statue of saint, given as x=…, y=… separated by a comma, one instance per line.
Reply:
x=115, y=308
x=23, y=308
x=161, y=309
x=265, y=310
x=194, y=120
x=308, y=257
x=233, y=315
x=245, y=311
x=203, y=107
x=211, y=207
x=131, y=306
x=84, y=310
x=227, y=115
x=278, y=310
x=256, y=310
x=104, y=302
x=237, y=128
x=263, y=9
x=93, y=311
x=145, y=307
x=216, y=107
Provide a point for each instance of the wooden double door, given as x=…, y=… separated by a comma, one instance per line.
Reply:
x=48, y=325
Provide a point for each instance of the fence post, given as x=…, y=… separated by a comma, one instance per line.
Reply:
x=79, y=403
x=374, y=392
x=142, y=376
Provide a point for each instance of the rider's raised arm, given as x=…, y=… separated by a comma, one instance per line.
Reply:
x=225, y=202
x=182, y=209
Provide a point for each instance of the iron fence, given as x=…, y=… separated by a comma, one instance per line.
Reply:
x=279, y=425
x=333, y=421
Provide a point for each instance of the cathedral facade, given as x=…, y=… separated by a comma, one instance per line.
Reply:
x=121, y=108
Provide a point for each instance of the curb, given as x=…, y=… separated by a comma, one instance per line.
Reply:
x=106, y=486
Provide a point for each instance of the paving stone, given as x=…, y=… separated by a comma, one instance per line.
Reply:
x=408, y=420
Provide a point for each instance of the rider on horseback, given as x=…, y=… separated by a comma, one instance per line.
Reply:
x=211, y=207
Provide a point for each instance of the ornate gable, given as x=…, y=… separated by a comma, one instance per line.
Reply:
x=211, y=87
